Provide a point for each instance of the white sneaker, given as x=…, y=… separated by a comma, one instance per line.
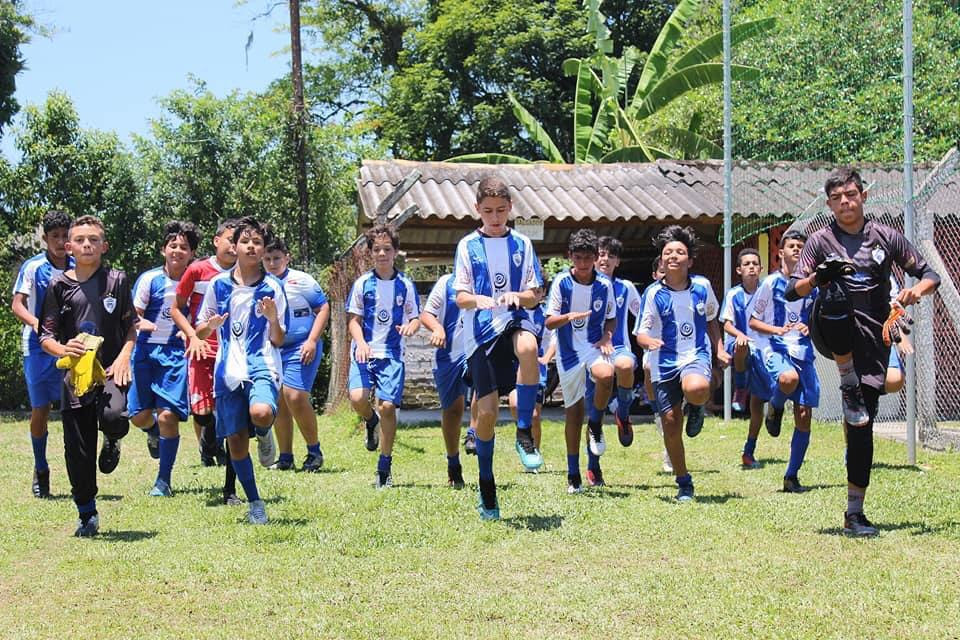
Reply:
x=667, y=465
x=257, y=514
x=266, y=448
x=595, y=439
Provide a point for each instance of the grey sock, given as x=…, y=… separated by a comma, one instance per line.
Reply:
x=848, y=374
x=855, y=500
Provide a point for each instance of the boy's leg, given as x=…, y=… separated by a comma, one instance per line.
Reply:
x=805, y=397
x=486, y=397
x=114, y=423
x=300, y=406
x=80, y=446
x=527, y=385
x=670, y=393
x=859, y=464
x=283, y=427
x=624, y=364
x=695, y=383
x=44, y=384
x=573, y=425
x=298, y=379
x=785, y=380
x=359, y=383
x=169, y=427
x=451, y=416
x=599, y=385
x=387, y=376
x=200, y=385
x=748, y=459
x=650, y=389
x=894, y=379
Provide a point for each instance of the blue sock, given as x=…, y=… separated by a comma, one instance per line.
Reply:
x=750, y=446
x=383, y=464
x=798, y=449
x=154, y=430
x=593, y=414
x=168, y=455
x=244, y=469
x=40, y=452
x=624, y=400
x=90, y=507
x=593, y=462
x=485, y=457
x=526, y=401
x=261, y=431
x=778, y=399
x=285, y=457
x=573, y=463
x=312, y=448
x=685, y=480
x=472, y=432
x=453, y=461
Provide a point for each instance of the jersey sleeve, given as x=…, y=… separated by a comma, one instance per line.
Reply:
x=314, y=294
x=462, y=269
x=713, y=307
x=436, y=300
x=906, y=255
x=762, y=303
x=127, y=315
x=208, y=306
x=728, y=313
x=411, y=305
x=649, y=321
x=533, y=275
x=141, y=292
x=25, y=280
x=810, y=257
x=554, y=299
x=50, y=328
x=187, y=281
x=355, y=299
x=280, y=300
x=633, y=299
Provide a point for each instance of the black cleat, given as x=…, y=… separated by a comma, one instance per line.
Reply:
x=109, y=455
x=624, y=430
x=455, y=477
x=856, y=524
x=695, y=415
x=231, y=499
x=87, y=526
x=282, y=465
x=373, y=432
x=470, y=444
x=854, y=409
x=312, y=463
x=791, y=484
x=41, y=483
x=574, y=483
x=153, y=441
x=773, y=421
x=207, y=460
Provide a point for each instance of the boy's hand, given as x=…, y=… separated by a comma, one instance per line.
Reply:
x=145, y=325
x=406, y=330
x=438, y=338
x=308, y=351
x=802, y=328
x=654, y=344
x=119, y=371
x=361, y=353
x=544, y=360
x=484, y=302
x=268, y=308
x=578, y=315
x=908, y=296
x=742, y=341
x=197, y=349
x=510, y=300
x=74, y=347
x=723, y=358
x=605, y=345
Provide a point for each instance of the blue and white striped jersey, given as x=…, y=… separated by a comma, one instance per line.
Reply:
x=679, y=318
x=154, y=294
x=304, y=296
x=492, y=267
x=628, y=303
x=382, y=306
x=34, y=277
x=245, y=350
x=577, y=338
x=736, y=309
x=442, y=304
x=770, y=306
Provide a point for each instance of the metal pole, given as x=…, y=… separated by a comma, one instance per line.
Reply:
x=728, y=190
x=908, y=212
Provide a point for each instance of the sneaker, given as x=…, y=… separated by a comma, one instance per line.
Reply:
x=153, y=442
x=41, y=483
x=667, y=465
x=536, y=471
x=695, y=416
x=282, y=465
x=87, y=527
x=487, y=505
x=530, y=458
x=266, y=448
x=109, y=455
x=373, y=432
x=595, y=478
x=685, y=493
x=383, y=480
x=257, y=513
x=595, y=438
x=455, y=477
x=854, y=411
x=747, y=461
x=312, y=463
x=207, y=460
x=773, y=420
x=231, y=499
x=856, y=524
x=161, y=489
x=470, y=444
x=791, y=484
x=624, y=430
x=574, y=483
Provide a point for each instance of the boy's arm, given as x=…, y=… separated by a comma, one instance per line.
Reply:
x=308, y=350
x=119, y=369
x=910, y=260
x=438, y=337
x=549, y=354
x=273, y=310
x=362, y=351
x=716, y=337
x=50, y=330
x=605, y=344
x=731, y=330
x=19, y=308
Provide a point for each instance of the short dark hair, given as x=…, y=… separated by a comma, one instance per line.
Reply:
x=383, y=230
x=841, y=177
x=92, y=221
x=611, y=245
x=229, y=223
x=676, y=233
x=582, y=240
x=175, y=229
x=278, y=244
x=492, y=187
x=55, y=219
x=749, y=251
x=655, y=265
x=252, y=225
x=792, y=234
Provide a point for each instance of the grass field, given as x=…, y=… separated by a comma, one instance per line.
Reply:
x=340, y=559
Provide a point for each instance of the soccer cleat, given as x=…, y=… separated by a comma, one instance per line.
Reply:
x=109, y=455
x=88, y=526
x=373, y=432
x=153, y=442
x=257, y=513
x=470, y=444
x=383, y=480
x=574, y=483
x=667, y=464
x=455, y=477
x=595, y=438
x=231, y=499
x=312, y=463
x=854, y=411
x=791, y=484
x=221, y=457
x=487, y=505
x=282, y=465
x=695, y=415
x=773, y=420
x=161, y=489
x=747, y=461
x=685, y=493
x=530, y=458
x=207, y=460
x=595, y=478
x=856, y=524
x=624, y=430
x=41, y=483
x=266, y=448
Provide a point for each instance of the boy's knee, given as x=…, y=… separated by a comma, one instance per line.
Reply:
x=603, y=374
x=623, y=365
x=387, y=408
x=143, y=420
x=525, y=345
x=894, y=381
x=261, y=415
x=788, y=380
x=358, y=397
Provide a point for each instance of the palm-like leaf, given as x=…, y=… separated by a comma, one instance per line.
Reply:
x=657, y=61
x=490, y=158
x=536, y=131
x=711, y=47
x=676, y=84
x=687, y=142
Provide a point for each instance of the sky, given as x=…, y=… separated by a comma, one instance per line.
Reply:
x=114, y=58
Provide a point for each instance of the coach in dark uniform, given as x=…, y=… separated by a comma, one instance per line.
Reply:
x=850, y=261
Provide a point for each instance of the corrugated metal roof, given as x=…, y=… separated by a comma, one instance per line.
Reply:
x=661, y=190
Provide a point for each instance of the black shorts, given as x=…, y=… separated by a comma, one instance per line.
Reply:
x=493, y=366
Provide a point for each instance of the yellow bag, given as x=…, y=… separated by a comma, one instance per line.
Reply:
x=86, y=372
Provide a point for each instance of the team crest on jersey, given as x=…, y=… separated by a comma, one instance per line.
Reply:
x=792, y=316
x=399, y=301
x=499, y=280
x=619, y=301
x=165, y=314
x=517, y=259
x=236, y=328
x=383, y=316
x=109, y=303
x=686, y=329
x=597, y=304
x=878, y=254
x=701, y=308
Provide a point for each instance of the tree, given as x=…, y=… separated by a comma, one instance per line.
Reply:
x=14, y=28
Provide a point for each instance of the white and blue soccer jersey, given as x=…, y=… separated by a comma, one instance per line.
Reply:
x=736, y=309
x=246, y=352
x=442, y=304
x=628, y=303
x=679, y=319
x=383, y=305
x=155, y=294
x=35, y=276
x=770, y=306
x=492, y=267
x=304, y=298
x=575, y=340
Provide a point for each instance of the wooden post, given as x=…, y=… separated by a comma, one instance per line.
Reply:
x=299, y=128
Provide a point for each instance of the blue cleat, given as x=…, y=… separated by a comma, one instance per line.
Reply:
x=530, y=457
x=257, y=513
x=161, y=489
x=685, y=493
x=487, y=505
x=87, y=526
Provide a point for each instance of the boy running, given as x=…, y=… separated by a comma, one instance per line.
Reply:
x=39, y=368
x=783, y=337
x=248, y=308
x=307, y=316
x=383, y=311
x=90, y=299
x=496, y=277
x=582, y=310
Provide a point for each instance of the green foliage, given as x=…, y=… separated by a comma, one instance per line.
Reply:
x=14, y=27
x=553, y=266
x=13, y=390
